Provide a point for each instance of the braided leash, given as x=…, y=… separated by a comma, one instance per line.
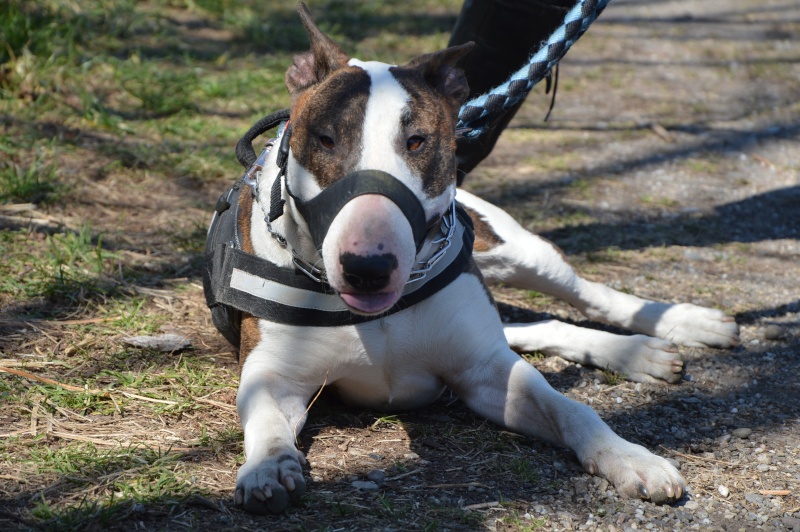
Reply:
x=476, y=115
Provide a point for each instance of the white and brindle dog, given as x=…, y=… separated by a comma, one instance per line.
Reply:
x=350, y=117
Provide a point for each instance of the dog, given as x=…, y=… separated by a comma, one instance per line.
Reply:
x=392, y=305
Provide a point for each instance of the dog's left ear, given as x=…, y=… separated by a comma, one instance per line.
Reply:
x=440, y=72
x=313, y=66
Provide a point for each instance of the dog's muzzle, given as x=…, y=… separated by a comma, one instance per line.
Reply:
x=319, y=211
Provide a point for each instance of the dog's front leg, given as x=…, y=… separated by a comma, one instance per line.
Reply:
x=510, y=392
x=272, y=409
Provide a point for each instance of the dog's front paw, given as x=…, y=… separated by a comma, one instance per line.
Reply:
x=692, y=326
x=270, y=484
x=695, y=326
x=637, y=473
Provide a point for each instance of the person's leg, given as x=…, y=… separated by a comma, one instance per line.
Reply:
x=506, y=33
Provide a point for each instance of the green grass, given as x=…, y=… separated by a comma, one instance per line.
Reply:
x=27, y=177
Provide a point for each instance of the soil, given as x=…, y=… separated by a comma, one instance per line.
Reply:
x=670, y=169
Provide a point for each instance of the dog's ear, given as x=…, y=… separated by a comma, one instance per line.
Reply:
x=313, y=66
x=439, y=70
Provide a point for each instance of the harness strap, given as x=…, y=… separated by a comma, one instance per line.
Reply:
x=236, y=282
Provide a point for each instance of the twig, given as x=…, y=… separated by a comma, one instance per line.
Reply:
x=698, y=458
x=31, y=376
x=324, y=382
x=149, y=399
x=403, y=475
x=763, y=160
x=451, y=486
x=482, y=505
x=37, y=323
x=662, y=132
x=215, y=403
x=775, y=492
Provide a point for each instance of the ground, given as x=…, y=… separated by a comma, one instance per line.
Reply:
x=670, y=169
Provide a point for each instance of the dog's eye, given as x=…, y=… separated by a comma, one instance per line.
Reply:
x=414, y=142
x=327, y=142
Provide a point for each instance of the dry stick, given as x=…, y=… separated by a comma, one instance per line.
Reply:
x=482, y=505
x=407, y=474
x=775, y=492
x=324, y=382
x=698, y=458
x=31, y=376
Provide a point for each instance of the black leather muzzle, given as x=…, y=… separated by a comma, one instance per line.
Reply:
x=319, y=211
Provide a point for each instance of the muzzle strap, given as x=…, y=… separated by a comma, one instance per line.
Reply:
x=319, y=211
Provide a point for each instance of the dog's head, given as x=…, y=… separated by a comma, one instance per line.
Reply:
x=351, y=118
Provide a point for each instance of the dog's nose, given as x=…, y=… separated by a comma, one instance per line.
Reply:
x=367, y=272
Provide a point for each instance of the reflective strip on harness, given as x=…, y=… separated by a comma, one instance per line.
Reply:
x=287, y=295
x=241, y=281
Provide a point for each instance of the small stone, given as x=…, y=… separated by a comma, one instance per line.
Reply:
x=364, y=485
x=723, y=490
x=753, y=498
x=774, y=332
x=792, y=523
x=691, y=505
x=581, y=486
x=742, y=433
x=377, y=476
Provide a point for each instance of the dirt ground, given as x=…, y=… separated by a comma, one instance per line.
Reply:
x=670, y=169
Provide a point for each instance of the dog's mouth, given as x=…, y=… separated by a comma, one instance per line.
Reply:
x=370, y=303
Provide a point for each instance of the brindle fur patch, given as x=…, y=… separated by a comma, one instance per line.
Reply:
x=334, y=108
x=485, y=237
x=249, y=336
x=427, y=116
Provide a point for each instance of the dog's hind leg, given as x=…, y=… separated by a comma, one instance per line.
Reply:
x=506, y=252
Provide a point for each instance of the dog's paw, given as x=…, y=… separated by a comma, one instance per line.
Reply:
x=269, y=485
x=643, y=359
x=694, y=326
x=637, y=473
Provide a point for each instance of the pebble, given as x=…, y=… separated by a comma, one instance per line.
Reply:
x=774, y=332
x=742, y=433
x=364, y=485
x=723, y=490
x=753, y=498
x=377, y=476
x=792, y=523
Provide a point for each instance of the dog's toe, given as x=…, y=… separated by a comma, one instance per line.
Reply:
x=695, y=326
x=270, y=485
x=637, y=473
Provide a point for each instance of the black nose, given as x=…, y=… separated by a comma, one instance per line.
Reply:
x=367, y=272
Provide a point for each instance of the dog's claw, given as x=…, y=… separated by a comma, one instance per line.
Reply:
x=238, y=497
x=643, y=493
x=260, y=495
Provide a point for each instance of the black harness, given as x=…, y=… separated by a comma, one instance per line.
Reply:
x=235, y=281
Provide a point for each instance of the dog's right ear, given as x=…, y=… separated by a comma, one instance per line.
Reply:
x=313, y=66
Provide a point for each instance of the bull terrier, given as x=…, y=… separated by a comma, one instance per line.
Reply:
x=391, y=305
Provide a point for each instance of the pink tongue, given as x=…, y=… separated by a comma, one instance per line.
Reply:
x=370, y=303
